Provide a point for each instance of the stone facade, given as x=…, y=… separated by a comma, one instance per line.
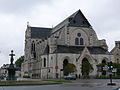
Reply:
x=73, y=40
x=116, y=51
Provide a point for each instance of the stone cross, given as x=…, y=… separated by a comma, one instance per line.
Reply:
x=11, y=59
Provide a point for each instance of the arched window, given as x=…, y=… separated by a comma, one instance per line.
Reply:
x=76, y=41
x=33, y=46
x=44, y=64
x=117, y=60
x=81, y=41
x=103, y=61
x=34, y=55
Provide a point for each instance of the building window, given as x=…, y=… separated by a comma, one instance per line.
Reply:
x=117, y=60
x=78, y=34
x=81, y=41
x=44, y=64
x=33, y=47
x=70, y=19
x=76, y=41
x=83, y=22
x=34, y=55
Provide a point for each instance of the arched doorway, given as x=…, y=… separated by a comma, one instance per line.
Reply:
x=68, y=68
x=103, y=63
x=65, y=62
x=86, y=68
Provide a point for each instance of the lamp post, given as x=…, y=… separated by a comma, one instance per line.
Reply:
x=110, y=68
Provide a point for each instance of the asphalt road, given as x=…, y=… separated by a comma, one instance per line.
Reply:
x=91, y=84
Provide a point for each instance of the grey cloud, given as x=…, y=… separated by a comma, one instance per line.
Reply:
x=20, y=6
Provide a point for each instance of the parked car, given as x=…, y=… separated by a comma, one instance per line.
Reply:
x=70, y=77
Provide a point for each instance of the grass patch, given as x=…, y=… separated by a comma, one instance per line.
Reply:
x=32, y=82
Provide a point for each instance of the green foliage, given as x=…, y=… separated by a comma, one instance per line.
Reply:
x=115, y=65
x=19, y=61
x=86, y=68
x=101, y=65
x=69, y=68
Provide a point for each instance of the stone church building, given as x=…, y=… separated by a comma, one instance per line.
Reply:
x=48, y=50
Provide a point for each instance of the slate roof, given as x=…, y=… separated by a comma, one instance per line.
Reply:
x=79, y=49
x=40, y=32
x=97, y=50
x=77, y=19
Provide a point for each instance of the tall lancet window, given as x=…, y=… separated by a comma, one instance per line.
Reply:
x=44, y=64
x=33, y=50
x=76, y=41
x=33, y=47
x=81, y=41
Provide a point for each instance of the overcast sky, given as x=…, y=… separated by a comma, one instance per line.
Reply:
x=104, y=16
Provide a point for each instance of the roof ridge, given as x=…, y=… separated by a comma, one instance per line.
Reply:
x=40, y=27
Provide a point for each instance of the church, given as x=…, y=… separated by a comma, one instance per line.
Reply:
x=74, y=41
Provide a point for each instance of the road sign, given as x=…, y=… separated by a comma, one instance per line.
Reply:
x=114, y=70
x=105, y=68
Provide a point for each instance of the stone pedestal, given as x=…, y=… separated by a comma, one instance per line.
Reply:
x=11, y=69
x=11, y=72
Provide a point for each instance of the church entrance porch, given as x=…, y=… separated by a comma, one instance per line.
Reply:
x=65, y=62
x=86, y=68
x=68, y=68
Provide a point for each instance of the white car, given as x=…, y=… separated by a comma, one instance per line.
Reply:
x=70, y=77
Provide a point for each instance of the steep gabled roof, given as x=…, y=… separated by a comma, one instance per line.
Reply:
x=77, y=19
x=40, y=32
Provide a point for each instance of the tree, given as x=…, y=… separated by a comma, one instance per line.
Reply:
x=69, y=68
x=19, y=61
x=86, y=68
x=115, y=65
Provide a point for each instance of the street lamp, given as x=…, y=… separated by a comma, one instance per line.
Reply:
x=110, y=68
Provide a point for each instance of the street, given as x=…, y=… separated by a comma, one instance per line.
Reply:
x=90, y=84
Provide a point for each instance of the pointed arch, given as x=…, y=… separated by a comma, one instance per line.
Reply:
x=86, y=68
x=33, y=46
x=104, y=60
x=76, y=41
x=81, y=41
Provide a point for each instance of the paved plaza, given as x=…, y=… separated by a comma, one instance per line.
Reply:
x=91, y=84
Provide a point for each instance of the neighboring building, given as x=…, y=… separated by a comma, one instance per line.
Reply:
x=116, y=51
x=3, y=71
x=48, y=50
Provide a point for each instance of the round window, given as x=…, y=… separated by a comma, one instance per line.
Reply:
x=78, y=34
